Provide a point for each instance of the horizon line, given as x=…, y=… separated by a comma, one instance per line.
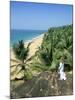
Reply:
x=42, y=29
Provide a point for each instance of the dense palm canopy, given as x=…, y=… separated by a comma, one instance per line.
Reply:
x=57, y=42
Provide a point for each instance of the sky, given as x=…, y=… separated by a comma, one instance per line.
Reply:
x=39, y=16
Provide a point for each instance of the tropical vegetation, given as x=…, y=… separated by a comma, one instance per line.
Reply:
x=21, y=53
x=57, y=43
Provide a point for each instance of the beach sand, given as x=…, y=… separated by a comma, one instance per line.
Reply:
x=35, y=44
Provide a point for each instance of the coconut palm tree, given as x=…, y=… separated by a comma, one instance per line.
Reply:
x=21, y=53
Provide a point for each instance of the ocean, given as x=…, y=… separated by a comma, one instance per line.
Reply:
x=24, y=35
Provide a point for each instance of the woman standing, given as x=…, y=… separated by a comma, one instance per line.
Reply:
x=61, y=70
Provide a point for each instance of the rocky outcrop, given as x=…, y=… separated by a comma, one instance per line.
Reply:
x=45, y=84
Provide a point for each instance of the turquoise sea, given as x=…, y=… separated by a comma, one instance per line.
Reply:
x=25, y=35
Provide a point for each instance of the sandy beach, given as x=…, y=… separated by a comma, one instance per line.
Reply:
x=35, y=44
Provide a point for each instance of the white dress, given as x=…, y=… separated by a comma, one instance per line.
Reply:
x=61, y=71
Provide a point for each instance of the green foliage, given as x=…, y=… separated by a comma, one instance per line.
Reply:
x=57, y=42
x=28, y=75
x=20, y=51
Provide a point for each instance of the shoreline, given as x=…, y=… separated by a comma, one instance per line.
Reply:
x=35, y=43
x=34, y=39
x=33, y=47
x=29, y=41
